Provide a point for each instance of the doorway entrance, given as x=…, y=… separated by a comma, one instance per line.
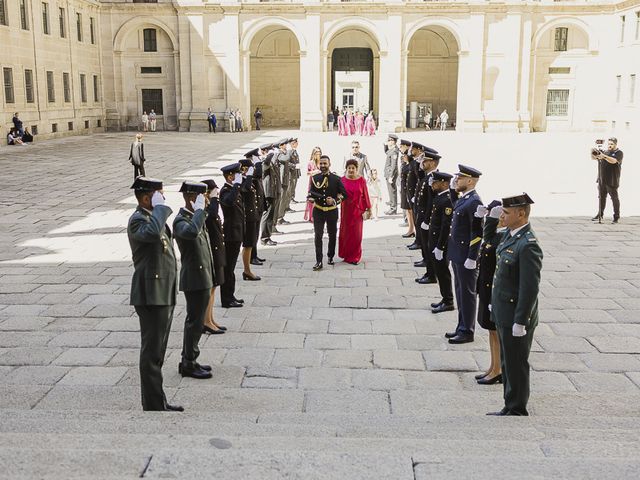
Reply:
x=352, y=79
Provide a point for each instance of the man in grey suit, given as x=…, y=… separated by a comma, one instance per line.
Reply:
x=153, y=287
x=196, y=278
x=391, y=172
x=282, y=158
x=364, y=169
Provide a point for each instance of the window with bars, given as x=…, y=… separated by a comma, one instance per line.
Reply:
x=152, y=100
x=28, y=86
x=24, y=19
x=63, y=22
x=7, y=74
x=557, y=103
x=618, y=87
x=632, y=88
x=96, y=89
x=561, y=36
x=66, y=87
x=3, y=13
x=150, y=42
x=79, y=26
x=147, y=70
x=83, y=88
x=45, y=18
x=92, y=30
x=51, y=88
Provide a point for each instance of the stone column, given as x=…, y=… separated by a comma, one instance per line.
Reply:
x=311, y=111
x=390, y=114
x=470, y=74
x=525, y=72
x=184, y=33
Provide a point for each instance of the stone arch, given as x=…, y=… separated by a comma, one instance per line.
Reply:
x=566, y=21
x=259, y=25
x=355, y=23
x=132, y=25
x=452, y=27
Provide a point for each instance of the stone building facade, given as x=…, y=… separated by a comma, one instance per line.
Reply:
x=515, y=66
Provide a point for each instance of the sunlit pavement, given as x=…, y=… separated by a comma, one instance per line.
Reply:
x=351, y=351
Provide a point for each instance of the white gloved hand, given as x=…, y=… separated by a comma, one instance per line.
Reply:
x=452, y=183
x=518, y=330
x=250, y=171
x=215, y=193
x=157, y=198
x=470, y=264
x=430, y=181
x=238, y=178
x=413, y=199
x=489, y=307
x=438, y=254
x=424, y=226
x=390, y=180
x=199, y=203
x=495, y=212
x=481, y=211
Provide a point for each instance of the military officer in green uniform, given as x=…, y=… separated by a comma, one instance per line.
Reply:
x=514, y=299
x=153, y=286
x=196, y=278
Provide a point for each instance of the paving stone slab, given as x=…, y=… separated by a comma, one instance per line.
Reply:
x=85, y=356
x=242, y=400
x=348, y=359
x=34, y=375
x=297, y=358
x=450, y=361
x=322, y=378
x=398, y=359
x=93, y=376
x=346, y=401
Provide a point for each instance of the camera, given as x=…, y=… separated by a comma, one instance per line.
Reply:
x=599, y=147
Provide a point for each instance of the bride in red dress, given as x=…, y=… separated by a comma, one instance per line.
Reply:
x=351, y=220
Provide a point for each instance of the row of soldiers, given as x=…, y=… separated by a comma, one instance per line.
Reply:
x=256, y=194
x=493, y=253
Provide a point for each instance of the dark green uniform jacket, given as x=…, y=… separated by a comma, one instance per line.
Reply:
x=516, y=281
x=195, y=250
x=154, y=261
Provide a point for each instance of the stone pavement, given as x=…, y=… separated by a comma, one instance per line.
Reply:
x=342, y=372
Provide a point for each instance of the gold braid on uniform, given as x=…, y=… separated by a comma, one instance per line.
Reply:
x=323, y=184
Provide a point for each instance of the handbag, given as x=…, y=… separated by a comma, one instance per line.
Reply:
x=366, y=215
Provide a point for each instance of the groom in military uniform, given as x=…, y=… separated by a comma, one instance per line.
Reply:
x=153, y=286
x=514, y=298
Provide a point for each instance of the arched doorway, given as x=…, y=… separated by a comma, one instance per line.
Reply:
x=275, y=77
x=432, y=75
x=353, y=66
x=146, y=74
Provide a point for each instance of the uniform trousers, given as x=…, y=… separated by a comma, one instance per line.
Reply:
x=393, y=195
x=269, y=217
x=138, y=170
x=465, y=281
x=443, y=275
x=197, y=301
x=603, y=191
x=320, y=218
x=254, y=247
x=285, y=199
x=155, y=325
x=514, y=361
x=418, y=219
x=427, y=254
x=228, y=288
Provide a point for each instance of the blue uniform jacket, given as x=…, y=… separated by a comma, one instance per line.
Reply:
x=466, y=229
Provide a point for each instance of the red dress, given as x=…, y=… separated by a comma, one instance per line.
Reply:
x=350, y=240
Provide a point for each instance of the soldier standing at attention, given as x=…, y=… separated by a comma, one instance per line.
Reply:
x=294, y=164
x=514, y=299
x=255, y=156
x=391, y=172
x=196, y=273
x=251, y=217
x=429, y=162
x=282, y=158
x=153, y=287
x=272, y=189
x=463, y=248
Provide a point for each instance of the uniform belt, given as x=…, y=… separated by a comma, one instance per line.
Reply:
x=325, y=209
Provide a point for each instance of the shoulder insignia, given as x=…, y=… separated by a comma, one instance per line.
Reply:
x=532, y=239
x=509, y=250
x=448, y=211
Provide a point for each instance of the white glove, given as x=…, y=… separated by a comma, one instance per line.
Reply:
x=424, y=226
x=157, y=198
x=439, y=254
x=430, y=181
x=518, y=330
x=250, y=171
x=452, y=183
x=413, y=199
x=238, y=178
x=215, y=193
x=390, y=180
x=481, y=211
x=470, y=264
x=489, y=307
x=495, y=212
x=199, y=203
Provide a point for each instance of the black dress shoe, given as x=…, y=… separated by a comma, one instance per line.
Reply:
x=198, y=373
x=501, y=413
x=250, y=278
x=596, y=218
x=413, y=246
x=255, y=261
x=481, y=375
x=275, y=231
x=614, y=221
x=390, y=212
x=461, y=338
x=290, y=210
x=269, y=242
x=434, y=305
x=426, y=280
x=443, y=307
x=283, y=222
x=317, y=266
x=206, y=368
x=490, y=381
x=409, y=235
x=450, y=334
x=330, y=261
x=232, y=304
x=420, y=264
x=239, y=300
x=173, y=408
x=260, y=259
x=211, y=331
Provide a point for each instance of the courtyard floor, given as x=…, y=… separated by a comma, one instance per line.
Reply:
x=342, y=373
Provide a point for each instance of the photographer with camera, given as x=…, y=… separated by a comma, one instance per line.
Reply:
x=609, y=167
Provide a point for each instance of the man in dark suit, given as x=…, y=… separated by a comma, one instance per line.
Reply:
x=429, y=161
x=153, y=286
x=234, y=229
x=391, y=172
x=514, y=298
x=294, y=173
x=326, y=192
x=439, y=229
x=196, y=273
x=463, y=248
x=255, y=156
x=272, y=191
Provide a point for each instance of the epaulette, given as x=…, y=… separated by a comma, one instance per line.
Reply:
x=530, y=237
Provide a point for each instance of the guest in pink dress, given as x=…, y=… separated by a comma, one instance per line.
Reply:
x=342, y=125
x=313, y=167
x=351, y=221
x=359, y=123
x=351, y=124
x=370, y=124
